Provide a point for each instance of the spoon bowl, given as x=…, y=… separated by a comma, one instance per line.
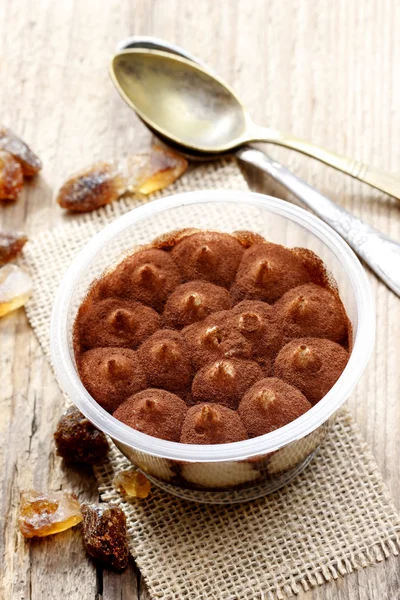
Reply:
x=183, y=103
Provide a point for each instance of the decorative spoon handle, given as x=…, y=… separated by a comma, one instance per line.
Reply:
x=380, y=252
x=381, y=180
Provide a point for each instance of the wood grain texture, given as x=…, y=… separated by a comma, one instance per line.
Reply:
x=327, y=71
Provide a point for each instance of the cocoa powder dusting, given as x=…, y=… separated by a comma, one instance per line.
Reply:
x=313, y=365
x=209, y=256
x=225, y=381
x=216, y=337
x=155, y=412
x=266, y=272
x=314, y=311
x=193, y=301
x=207, y=348
x=115, y=322
x=165, y=361
x=257, y=322
x=270, y=404
x=111, y=374
x=148, y=276
x=212, y=424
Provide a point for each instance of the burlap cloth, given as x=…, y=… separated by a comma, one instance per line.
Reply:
x=333, y=518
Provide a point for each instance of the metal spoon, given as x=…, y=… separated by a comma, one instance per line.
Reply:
x=380, y=252
x=194, y=108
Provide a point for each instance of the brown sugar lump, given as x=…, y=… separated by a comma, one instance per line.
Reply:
x=148, y=276
x=312, y=311
x=266, y=272
x=165, y=360
x=11, y=244
x=257, y=322
x=271, y=404
x=225, y=381
x=14, y=145
x=155, y=412
x=111, y=375
x=104, y=534
x=11, y=177
x=209, y=256
x=313, y=365
x=78, y=440
x=216, y=337
x=115, y=322
x=193, y=301
x=212, y=424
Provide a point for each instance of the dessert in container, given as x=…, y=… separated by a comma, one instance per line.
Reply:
x=248, y=469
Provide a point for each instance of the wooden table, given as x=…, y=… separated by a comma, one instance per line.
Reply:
x=323, y=70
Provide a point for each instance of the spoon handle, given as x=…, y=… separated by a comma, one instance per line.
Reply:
x=381, y=180
x=380, y=252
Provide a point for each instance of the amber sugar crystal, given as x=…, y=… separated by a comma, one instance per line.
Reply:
x=15, y=288
x=132, y=483
x=154, y=170
x=43, y=514
x=103, y=182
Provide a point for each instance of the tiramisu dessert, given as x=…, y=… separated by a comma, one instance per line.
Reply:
x=210, y=338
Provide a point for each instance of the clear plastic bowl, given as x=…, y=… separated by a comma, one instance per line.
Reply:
x=238, y=471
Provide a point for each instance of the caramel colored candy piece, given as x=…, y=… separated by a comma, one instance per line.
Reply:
x=104, y=534
x=194, y=301
x=271, y=404
x=44, y=514
x=11, y=177
x=15, y=288
x=266, y=272
x=212, y=424
x=11, y=244
x=225, y=381
x=151, y=171
x=165, y=360
x=208, y=256
x=312, y=311
x=133, y=483
x=104, y=182
x=30, y=163
x=93, y=187
x=78, y=440
x=313, y=365
x=214, y=338
x=155, y=412
x=148, y=276
x=115, y=322
x=111, y=375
